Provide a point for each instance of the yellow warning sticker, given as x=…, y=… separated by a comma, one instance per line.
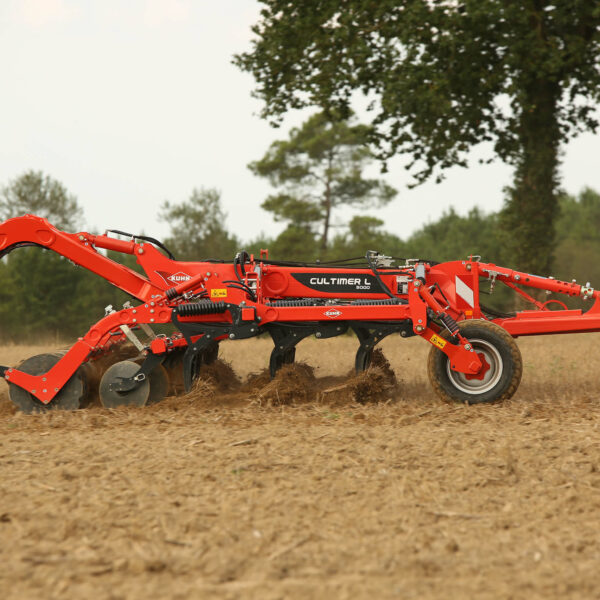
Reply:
x=218, y=293
x=437, y=341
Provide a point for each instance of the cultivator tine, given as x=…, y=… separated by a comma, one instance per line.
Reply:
x=370, y=334
x=286, y=337
x=285, y=340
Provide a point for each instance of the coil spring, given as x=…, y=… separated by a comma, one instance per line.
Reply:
x=450, y=323
x=386, y=302
x=282, y=303
x=204, y=307
x=171, y=293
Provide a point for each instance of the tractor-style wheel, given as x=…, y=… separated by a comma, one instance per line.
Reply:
x=502, y=366
x=68, y=398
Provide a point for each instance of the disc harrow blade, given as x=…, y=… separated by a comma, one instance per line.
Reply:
x=138, y=396
x=68, y=398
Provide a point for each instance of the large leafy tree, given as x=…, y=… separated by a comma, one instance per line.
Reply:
x=317, y=170
x=441, y=77
x=198, y=229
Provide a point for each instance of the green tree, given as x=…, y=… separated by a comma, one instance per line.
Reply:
x=366, y=233
x=453, y=237
x=443, y=76
x=41, y=195
x=198, y=227
x=40, y=287
x=578, y=244
x=319, y=169
x=42, y=293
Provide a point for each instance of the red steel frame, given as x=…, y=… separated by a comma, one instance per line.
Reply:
x=450, y=289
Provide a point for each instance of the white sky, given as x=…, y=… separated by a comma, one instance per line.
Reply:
x=131, y=102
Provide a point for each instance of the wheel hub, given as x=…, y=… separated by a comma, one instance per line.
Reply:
x=489, y=374
x=485, y=367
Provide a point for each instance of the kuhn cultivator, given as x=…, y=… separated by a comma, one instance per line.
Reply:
x=473, y=357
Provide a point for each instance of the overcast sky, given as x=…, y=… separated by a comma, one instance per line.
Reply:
x=130, y=103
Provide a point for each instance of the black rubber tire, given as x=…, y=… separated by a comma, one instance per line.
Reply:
x=503, y=355
x=68, y=398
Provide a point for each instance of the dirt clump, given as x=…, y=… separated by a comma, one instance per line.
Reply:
x=372, y=385
x=377, y=384
x=380, y=361
x=257, y=381
x=221, y=376
x=294, y=383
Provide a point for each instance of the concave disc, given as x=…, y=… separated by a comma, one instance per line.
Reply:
x=138, y=396
x=159, y=384
x=68, y=398
x=173, y=364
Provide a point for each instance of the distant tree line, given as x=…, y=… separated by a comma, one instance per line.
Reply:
x=43, y=295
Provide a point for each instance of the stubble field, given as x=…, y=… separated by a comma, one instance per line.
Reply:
x=237, y=493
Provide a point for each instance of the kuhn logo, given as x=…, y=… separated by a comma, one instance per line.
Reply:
x=178, y=277
x=332, y=313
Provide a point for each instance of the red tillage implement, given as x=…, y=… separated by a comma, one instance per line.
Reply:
x=473, y=356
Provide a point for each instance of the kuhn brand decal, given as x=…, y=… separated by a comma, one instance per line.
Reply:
x=174, y=278
x=338, y=283
x=332, y=313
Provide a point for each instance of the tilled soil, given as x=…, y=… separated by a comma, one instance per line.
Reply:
x=313, y=485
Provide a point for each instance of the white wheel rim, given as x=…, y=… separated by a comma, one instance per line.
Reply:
x=491, y=377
